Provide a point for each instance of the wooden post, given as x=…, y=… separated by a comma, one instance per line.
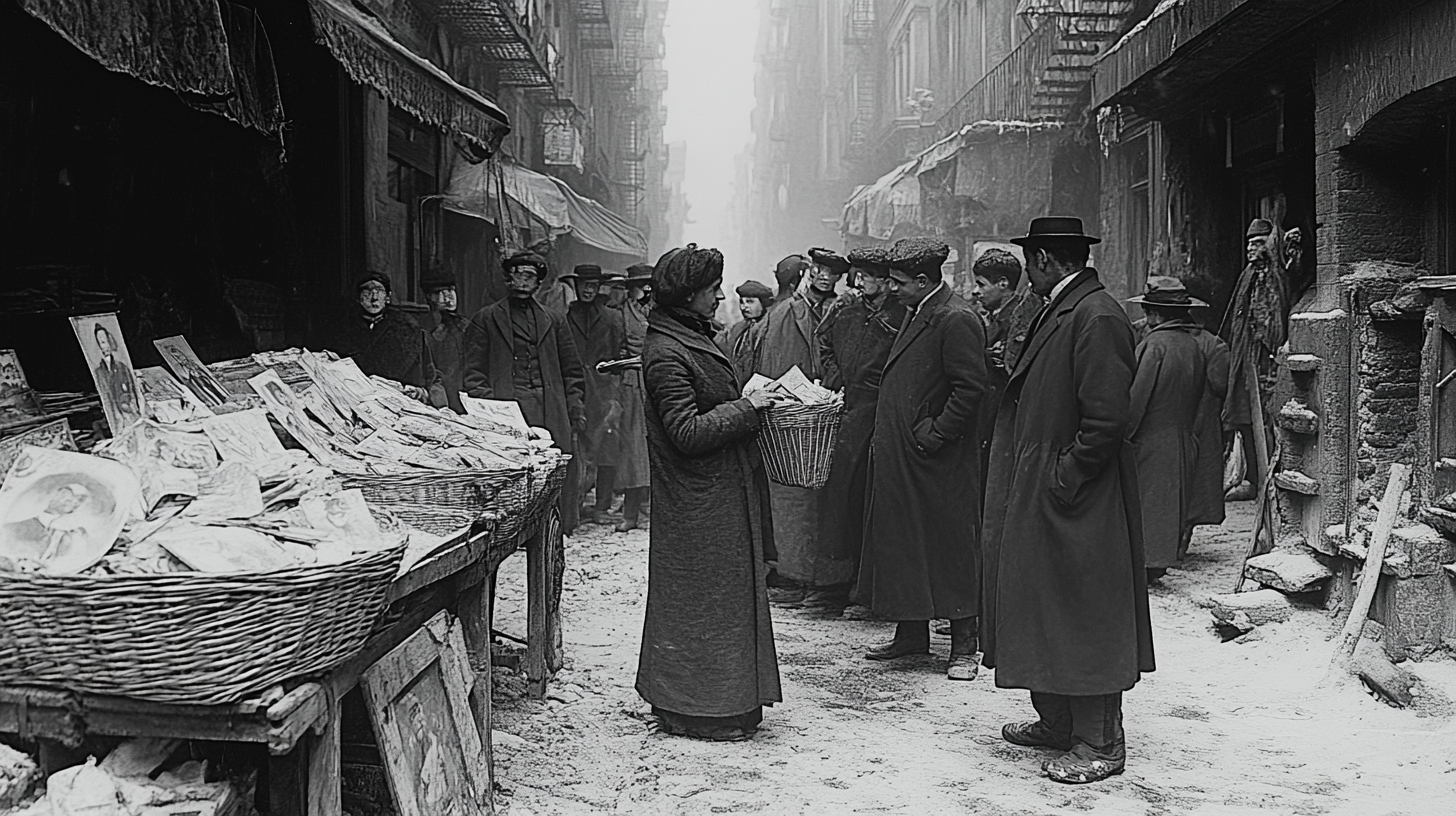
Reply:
x=1261, y=439
x=325, y=779
x=474, y=610
x=1370, y=574
x=543, y=624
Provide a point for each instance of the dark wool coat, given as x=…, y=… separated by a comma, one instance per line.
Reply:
x=854, y=342
x=446, y=343
x=393, y=349
x=600, y=335
x=1066, y=606
x=1167, y=391
x=490, y=350
x=740, y=343
x=1005, y=338
x=1207, y=506
x=922, y=534
x=707, y=642
x=786, y=340
x=633, y=469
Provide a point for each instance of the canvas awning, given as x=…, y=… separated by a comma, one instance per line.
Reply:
x=874, y=209
x=213, y=53
x=541, y=201
x=373, y=57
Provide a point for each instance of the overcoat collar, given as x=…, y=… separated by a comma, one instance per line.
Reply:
x=1084, y=284
x=502, y=321
x=591, y=311
x=917, y=323
x=667, y=325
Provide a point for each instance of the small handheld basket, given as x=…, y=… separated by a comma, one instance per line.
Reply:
x=797, y=442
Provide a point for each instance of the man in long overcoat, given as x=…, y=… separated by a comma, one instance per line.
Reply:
x=634, y=472
x=600, y=335
x=922, y=538
x=1208, y=493
x=1167, y=391
x=516, y=350
x=854, y=342
x=1066, y=601
x=1010, y=309
x=787, y=340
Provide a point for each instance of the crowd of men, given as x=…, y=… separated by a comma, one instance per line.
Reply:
x=1020, y=462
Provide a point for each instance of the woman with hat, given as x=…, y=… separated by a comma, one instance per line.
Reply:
x=708, y=663
x=1167, y=391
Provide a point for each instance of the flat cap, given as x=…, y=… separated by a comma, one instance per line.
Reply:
x=524, y=259
x=754, y=289
x=790, y=270
x=829, y=259
x=435, y=279
x=910, y=254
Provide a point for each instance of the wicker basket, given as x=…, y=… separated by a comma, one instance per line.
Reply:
x=198, y=638
x=797, y=442
x=444, y=502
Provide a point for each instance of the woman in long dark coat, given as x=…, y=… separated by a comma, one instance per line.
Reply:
x=708, y=664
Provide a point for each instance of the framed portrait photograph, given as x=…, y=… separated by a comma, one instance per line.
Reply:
x=188, y=369
x=418, y=698
x=286, y=407
x=60, y=512
x=55, y=435
x=116, y=382
x=18, y=403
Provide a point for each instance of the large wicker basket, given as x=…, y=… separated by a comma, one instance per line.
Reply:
x=188, y=637
x=797, y=442
x=444, y=502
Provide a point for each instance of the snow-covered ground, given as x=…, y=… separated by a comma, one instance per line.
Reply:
x=1221, y=728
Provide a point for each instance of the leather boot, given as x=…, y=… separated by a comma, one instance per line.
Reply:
x=911, y=638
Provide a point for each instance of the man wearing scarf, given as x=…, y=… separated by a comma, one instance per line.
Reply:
x=1167, y=391
x=517, y=350
x=854, y=342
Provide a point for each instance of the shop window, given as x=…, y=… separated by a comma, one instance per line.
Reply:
x=1139, y=203
x=413, y=172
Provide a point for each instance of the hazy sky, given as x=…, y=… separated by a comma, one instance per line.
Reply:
x=709, y=98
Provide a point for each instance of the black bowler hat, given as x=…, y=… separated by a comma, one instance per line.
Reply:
x=639, y=274
x=586, y=272
x=436, y=279
x=1055, y=227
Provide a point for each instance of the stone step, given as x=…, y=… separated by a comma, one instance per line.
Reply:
x=1296, y=417
x=1303, y=362
x=1288, y=571
x=1246, y=610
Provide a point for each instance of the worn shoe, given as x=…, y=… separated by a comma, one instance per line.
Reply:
x=964, y=667
x=1080, y=766
x=790, y=597
x=626, y=526
x=1034, y=735
x=941, y=628
x=897, y=649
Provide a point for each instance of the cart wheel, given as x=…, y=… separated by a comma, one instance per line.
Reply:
x=555, y=546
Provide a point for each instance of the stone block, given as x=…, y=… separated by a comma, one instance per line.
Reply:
x=1294, y=481
x=1246, y=610
x=1330, y=542
x=1389, y=681
x=1288, y=571
x=1417, y=613
x=1424, y=548
x=1303, y=362
x=19, y=775
x=1296, y=417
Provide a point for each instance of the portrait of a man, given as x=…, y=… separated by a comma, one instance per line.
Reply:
x=116, y=382
x=53, y=532
x=60, y=512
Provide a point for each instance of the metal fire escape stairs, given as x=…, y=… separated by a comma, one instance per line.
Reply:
x=1084, y=29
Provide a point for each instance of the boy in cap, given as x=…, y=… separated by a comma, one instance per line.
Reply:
x=445, y=336
x=786, y=339
x=384, y=341
x=516, y=350
x=922, y=550
x=740, y=342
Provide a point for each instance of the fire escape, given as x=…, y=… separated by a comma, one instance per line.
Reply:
x=1083, y=28
x=861, y=92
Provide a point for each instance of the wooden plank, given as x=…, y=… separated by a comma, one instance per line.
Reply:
x=310, y=714
x=474, y=610
x=440, y=567
x=325, y=780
